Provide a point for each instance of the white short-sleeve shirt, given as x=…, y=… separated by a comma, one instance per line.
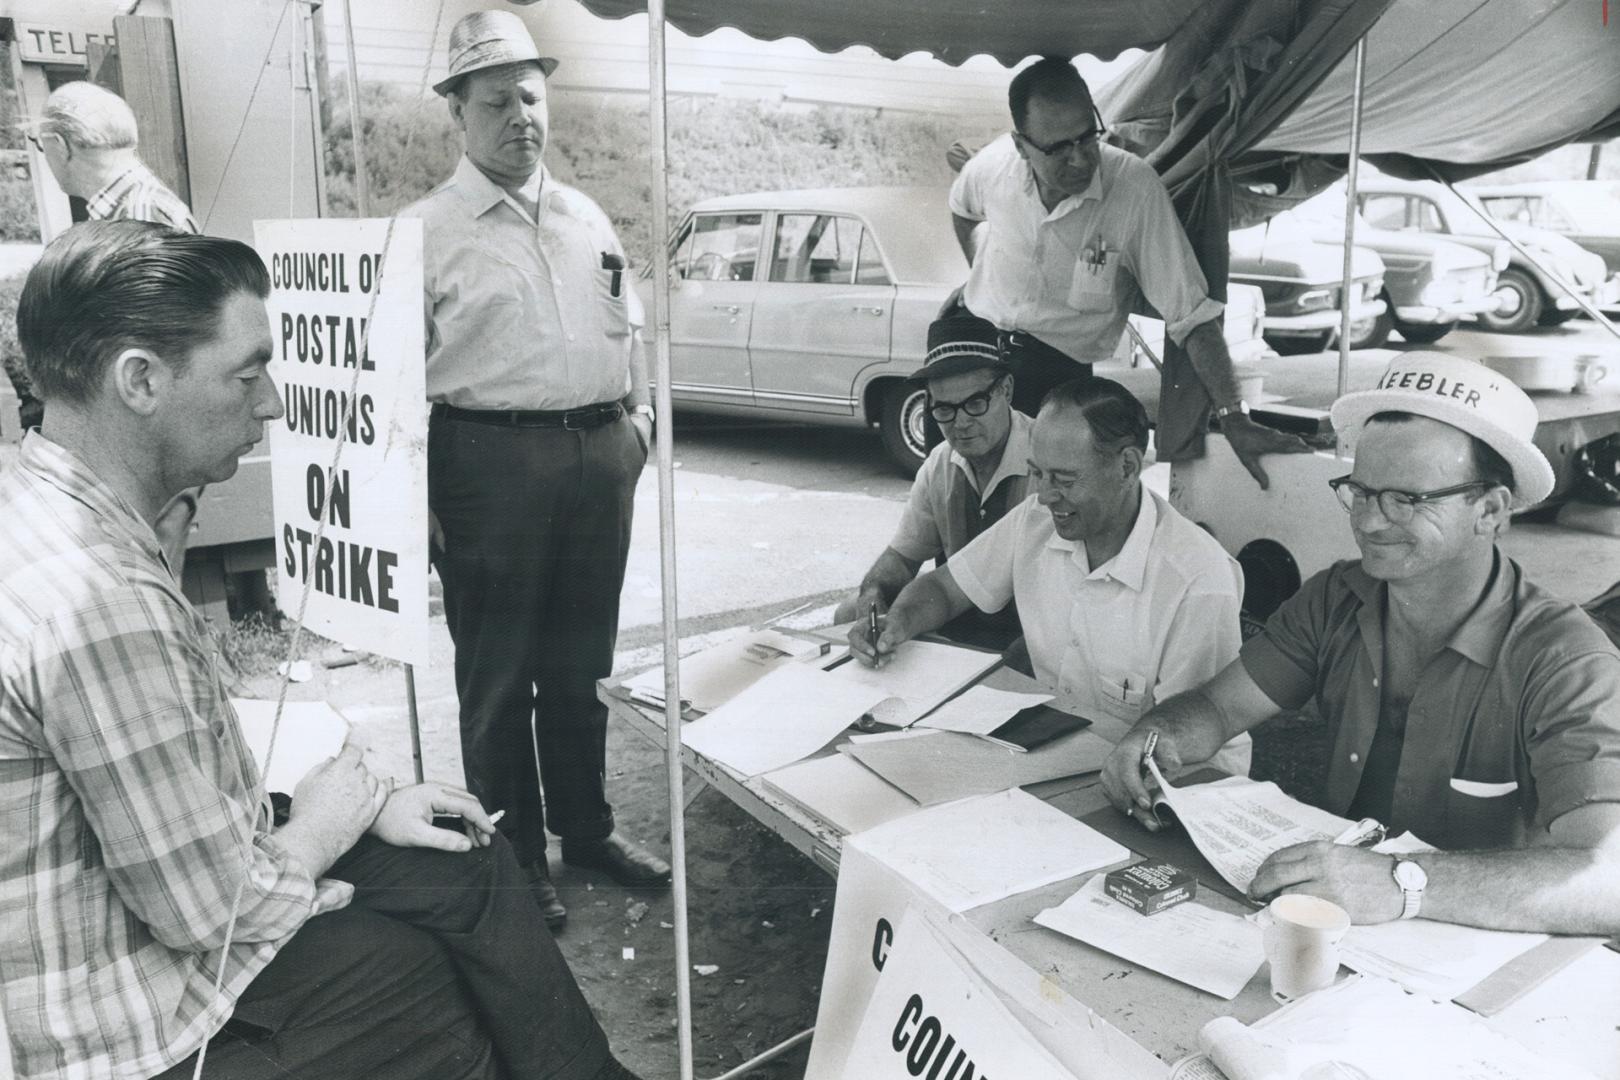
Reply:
x=1159, y=618
x=1071, y=275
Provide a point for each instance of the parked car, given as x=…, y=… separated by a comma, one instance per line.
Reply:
x=1526, y=294
x=1430, y=283
x=1584, y=211
x=1244, y=328
x=1302, y=280
x=814, y=306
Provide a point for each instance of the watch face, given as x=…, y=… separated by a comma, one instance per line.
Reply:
x=1409, y=875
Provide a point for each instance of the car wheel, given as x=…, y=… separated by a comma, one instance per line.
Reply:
x=1372, y=333
x=1555, y=317
x=1520, y=303
x=1424, y=333
x=901, y=424
x=1295, y=344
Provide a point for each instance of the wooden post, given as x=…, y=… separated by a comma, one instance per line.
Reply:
x=101, y=66
x=151, y=78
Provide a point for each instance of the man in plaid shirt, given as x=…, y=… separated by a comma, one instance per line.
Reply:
x=153, y=898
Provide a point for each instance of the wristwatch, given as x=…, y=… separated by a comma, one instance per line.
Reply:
x=1412, y=880
x=1227, y=410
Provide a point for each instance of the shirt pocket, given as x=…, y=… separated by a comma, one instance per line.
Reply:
x=612, y=310
x=1123, y=697
x=1482, y=813
x=1093, y=285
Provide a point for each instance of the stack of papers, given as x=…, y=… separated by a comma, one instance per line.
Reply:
x=310, y=732
x=714, y=676
x=918, y=677
x=939, y=766
x=840, y=793
x=1191, y=943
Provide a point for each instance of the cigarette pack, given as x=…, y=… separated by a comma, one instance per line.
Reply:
x=1147, y=888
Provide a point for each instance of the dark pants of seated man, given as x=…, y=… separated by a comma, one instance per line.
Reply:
x=440, y=968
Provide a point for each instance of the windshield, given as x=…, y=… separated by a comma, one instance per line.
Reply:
x=1591, y=210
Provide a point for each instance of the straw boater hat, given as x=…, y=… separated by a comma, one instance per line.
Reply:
x=487, y=39
x=958, y=343
x=1467, y=395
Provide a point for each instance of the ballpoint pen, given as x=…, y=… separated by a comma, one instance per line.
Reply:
x=872, y=627
x=1363, y=833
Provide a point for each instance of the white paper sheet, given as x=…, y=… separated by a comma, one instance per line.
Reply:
x=979, y=710
x=842, y=792
x=1439, y=960
x=1191, y=943
x=1235, y=823
x=715, y=675
x=311, y=732
x=1369, y=1027
x=978, y=850
x=786, y=716
x=919, y=676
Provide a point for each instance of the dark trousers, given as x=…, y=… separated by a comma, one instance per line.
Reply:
x=537, y=530
x=441, y=968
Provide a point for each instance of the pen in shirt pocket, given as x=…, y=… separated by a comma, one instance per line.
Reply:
x=615, y=263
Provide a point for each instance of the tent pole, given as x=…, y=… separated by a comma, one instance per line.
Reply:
x=1345, y=302
x=658, y=122
x=362, y=182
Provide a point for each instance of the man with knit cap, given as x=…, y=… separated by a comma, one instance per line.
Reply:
x=539, y=430
x=1463, y=703
x=968, y=482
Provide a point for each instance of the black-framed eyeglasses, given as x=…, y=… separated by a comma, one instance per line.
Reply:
x=1396, y=506
x=978, y=404
x=37, y=144
x=1064, y=147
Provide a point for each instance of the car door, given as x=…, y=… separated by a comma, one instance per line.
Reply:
x=711, y=307
x=824, y=313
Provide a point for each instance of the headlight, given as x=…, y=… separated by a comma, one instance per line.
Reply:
x=1317, y=299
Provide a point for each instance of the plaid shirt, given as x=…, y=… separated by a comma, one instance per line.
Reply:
x=137, y=194
x=130, y=808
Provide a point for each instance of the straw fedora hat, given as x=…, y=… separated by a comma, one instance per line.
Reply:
x=1470, y=397
x=486, y=39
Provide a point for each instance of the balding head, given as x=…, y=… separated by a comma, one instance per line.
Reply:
x=88, y=117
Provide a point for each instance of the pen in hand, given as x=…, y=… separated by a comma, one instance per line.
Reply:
x=872, y=627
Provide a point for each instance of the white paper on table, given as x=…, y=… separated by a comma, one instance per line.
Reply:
x=917, y=677
x=713, y=676
x=1235, y=823
x=784, y=717
x=979, y=710
x=1191, y=943
x=1370, y=1027
x=864, y=737
x=975, y=851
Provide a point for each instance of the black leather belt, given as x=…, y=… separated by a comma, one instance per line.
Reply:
x=1010, y=342
x=583, y=418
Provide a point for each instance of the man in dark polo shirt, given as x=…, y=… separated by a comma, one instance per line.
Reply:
x=1463, y=703
x=967, y=483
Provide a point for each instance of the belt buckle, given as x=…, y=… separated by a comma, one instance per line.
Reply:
x=574, y=420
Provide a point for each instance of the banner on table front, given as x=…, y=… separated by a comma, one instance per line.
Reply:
x=932, y=1014
x=367, y=567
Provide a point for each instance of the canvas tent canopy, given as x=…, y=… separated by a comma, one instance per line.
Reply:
x=1244, y=106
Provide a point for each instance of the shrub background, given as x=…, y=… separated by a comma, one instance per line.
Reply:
x=598, y=143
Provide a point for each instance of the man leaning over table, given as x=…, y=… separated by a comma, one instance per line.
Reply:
x=967, y=484
x=539, y=431
x=1077, y=234
x=1123, y=601
x=1463, y=703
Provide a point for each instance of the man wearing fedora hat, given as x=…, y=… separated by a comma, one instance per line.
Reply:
x=968, y=482
x=1463, y=703
x=539, y=429
x=1123, y=601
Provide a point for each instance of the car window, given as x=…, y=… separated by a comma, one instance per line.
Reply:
x=1428, y=216
x=870, y=269
x=815, y=249
x=722, y=247
x=1508, y=208
x=1547, y=214
x=1385, y=211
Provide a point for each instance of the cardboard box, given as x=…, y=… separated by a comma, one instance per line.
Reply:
x=1149, y=887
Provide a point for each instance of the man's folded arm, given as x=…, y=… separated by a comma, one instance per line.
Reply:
x=147, y=742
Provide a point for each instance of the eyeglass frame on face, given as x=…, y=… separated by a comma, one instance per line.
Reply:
x=966, y=405
x=1397, y=506
x=1064, y=147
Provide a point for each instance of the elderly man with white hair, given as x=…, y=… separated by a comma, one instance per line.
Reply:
x=88, y=138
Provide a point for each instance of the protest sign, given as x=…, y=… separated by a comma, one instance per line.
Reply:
x=932, y=1014
x=367, y=567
